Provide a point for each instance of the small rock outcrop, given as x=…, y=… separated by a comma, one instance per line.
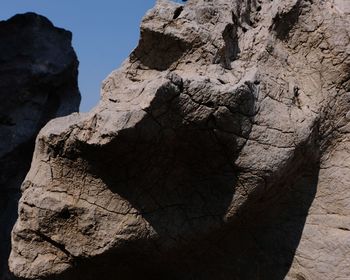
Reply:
x=219, y=150
x=38, y=82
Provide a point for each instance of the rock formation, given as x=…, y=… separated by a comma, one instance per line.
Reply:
x=219, y=150
x=38, y=82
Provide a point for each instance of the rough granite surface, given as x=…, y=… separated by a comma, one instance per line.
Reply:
x=38, y=82
x=219, y=150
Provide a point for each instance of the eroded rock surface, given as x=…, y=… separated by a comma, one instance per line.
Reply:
x=38, y=82
x=219, y=150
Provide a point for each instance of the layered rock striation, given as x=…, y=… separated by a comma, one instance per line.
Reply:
x=219, y=150
x=38, y=82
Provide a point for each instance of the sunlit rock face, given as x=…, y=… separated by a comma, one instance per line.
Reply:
x=38, y=82
x=219, y=150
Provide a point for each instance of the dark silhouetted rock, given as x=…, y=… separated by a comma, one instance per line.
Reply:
x=38, y=82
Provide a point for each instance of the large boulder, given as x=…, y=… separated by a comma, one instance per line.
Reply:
x=38, y=82
x=219, y=150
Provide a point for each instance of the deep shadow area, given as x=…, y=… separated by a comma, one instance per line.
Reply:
x=284, y=22
x=231, y=50
x=15, y=166
x=158, y=50
x=261, y=244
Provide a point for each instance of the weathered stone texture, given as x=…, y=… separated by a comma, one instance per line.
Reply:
x=219, y=150
x=38, y=82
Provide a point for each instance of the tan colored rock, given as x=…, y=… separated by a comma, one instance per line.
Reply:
x=211, y=145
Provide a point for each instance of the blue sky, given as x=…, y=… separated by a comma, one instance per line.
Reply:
x=104, y=33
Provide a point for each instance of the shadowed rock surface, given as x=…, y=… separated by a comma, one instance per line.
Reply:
x=38, y=82
x=219, y=150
